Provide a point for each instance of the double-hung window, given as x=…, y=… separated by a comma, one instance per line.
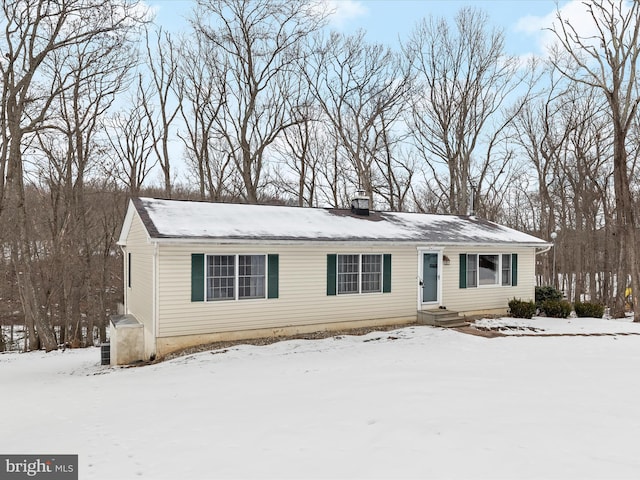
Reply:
x=359, y=273
x=472, y=270
x=371, y=273
x=506, y=269
x=234, y=277
x=348, y=273
x=221, y=277
x=231, y=277
x=251, y=276
x=481, y=270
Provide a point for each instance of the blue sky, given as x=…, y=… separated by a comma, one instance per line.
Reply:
x=387, y=20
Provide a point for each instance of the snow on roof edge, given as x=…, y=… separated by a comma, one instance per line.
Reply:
x=204, y=221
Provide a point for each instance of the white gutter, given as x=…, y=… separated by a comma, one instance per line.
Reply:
x=545, y=250
x=328, y=241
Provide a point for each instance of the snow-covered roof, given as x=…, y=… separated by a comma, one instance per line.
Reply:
x=192, y=220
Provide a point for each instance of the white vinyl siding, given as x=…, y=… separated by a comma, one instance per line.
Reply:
x=302, y=298
x=139, y=294
x=485, y=299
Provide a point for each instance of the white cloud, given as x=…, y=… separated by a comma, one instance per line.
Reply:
x=574, y=11
x=344, y=11
x=146, y=10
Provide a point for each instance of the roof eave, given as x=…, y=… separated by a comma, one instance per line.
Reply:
x=326, y=240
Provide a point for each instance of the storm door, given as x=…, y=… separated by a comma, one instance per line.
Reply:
x=430, y=278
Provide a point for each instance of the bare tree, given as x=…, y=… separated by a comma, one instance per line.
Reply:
x=464, y=79
x=42, y=44
x=396, y=165
x=586, y=171
x=162, y=64
x=129, y=136
x=360, y=88
x=258, y=45
x=607, y=61
x=94, y=73
x=564, y=134
x=542, y=136
x=202, y=92
x=303, y=150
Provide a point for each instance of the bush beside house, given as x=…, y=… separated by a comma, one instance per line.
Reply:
x=556, y=308
x=521, y=309
x=549, y=302
x=545, y=293
x=588, y=309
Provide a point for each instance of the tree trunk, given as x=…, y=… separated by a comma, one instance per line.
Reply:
x=32, y=309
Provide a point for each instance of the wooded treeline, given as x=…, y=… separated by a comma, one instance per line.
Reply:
x=259, y=101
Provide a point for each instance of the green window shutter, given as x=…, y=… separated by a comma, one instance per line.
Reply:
x=386, y=273
x=463, y=270
x=514, y=269
x=273, y=273
x=197, y=277
x=332, y=260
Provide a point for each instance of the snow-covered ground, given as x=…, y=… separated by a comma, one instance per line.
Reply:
x=555, y=326
x=419, y=402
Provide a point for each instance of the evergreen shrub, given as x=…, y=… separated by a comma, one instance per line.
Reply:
x=548, y=292
x=589, y=309
x=556, y=308
x=521, y=309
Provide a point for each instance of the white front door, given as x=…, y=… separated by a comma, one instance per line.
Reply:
x=429, y=284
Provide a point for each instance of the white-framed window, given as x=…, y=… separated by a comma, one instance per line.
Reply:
x=251, y=276
x=472, y=270
x=235, y=277
x=506, y=269
x=359, y=273
x=348, y=273
x=483, y=270
x=371, y=273
x=488, y=269
x=221, y=275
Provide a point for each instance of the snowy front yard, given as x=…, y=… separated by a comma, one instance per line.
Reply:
x=416, y=402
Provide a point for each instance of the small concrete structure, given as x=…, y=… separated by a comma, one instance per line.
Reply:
x=441, y=318
x=127, y=340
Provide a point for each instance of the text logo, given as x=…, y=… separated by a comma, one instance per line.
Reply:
x=49, y=467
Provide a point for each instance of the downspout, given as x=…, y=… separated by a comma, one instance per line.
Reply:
x=125, y=262
x=543, y=250
x=155, y=309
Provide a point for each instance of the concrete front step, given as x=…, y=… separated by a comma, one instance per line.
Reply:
x=441, y=318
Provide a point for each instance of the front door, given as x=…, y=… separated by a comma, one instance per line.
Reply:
x=430, y=278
